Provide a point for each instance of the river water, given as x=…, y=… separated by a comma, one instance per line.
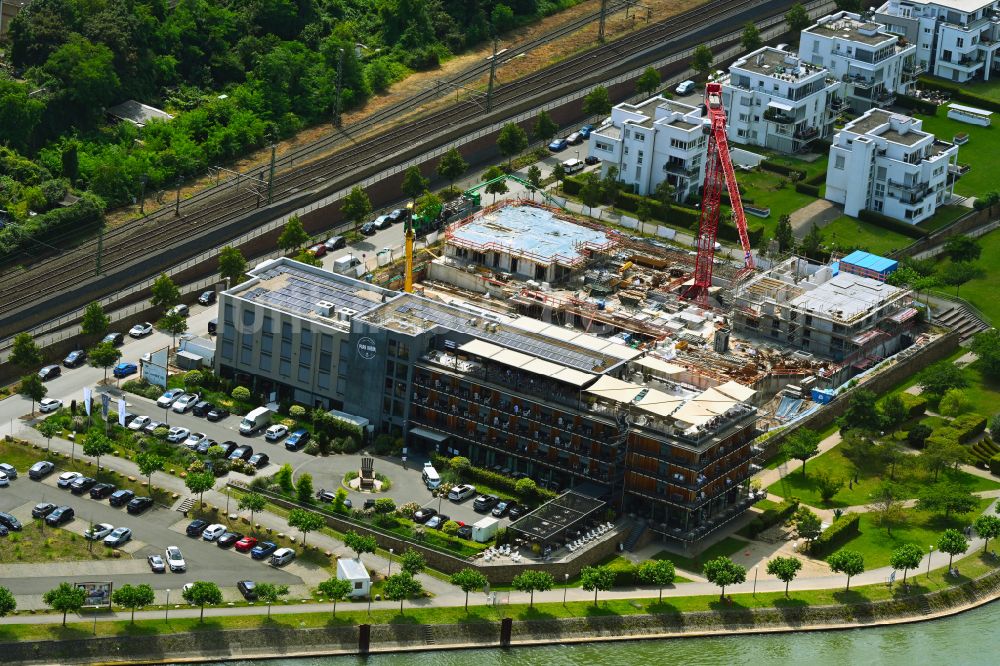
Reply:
x=968, y=638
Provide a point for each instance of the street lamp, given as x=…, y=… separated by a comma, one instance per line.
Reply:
x=166, y=607
x=930, y=549
x=565, y=587
x=390, y=563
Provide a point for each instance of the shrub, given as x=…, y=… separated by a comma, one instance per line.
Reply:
x=499, y=482
x=886, y=222
x=995, y=464
x=960, y=94
x=773, y=516
x=915, y=405
x=806, y=188
x=625, y=572
x=834, y=536
x=296, y=411
x=241, y=393
x=968, y=426
x=781, y=169
x=916, y=104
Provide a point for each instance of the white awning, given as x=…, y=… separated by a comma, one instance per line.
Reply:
x=529, y=324
x=658, y=366
x=693, y=413
x=561, y=333
x=659, y=403
x=481, y=348
x=620, y=351
x=540, y=366
x=736, y=391
x=512, y=358
x=780, y=106
x=432, y=435
x=611, y=388
x=574, y=377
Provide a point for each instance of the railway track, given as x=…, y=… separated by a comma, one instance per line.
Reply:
x=158, y=232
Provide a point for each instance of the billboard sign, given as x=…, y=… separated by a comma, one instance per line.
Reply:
x=155, y=369
x=98, y=594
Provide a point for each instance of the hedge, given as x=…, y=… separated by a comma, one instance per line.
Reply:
x=960, y=94
x=916, y=104
x=943, y=435
x=886, y=222
x=492, y=479
x=806, y=188
x=818, y=179
x=835, y=535
x=995, y=464
x=781, y=169
x=968, y=426
x=625, y=572
x=915, y=405
x=771, y=517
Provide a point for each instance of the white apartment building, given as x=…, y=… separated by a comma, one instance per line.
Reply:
x=955, y=39
x=776, y=100
x=654, y=141
x=873, y=64
x=884, y=162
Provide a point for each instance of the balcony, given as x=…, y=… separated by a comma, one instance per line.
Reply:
x=775, y=116
x=909, y=194
x=681, y=169
x=860, y=82
x=913, y=69
x=836, y=104
x=806, y=133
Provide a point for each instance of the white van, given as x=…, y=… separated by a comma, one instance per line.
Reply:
x=430, y=476
x=255, y=421
x=345, y=265
x=573, y=165
x=685, y=87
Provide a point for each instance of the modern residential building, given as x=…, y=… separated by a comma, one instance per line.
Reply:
x=872, y=64
x=651, y=142
x=777, y=100
x=955, y=39
x=884, y=162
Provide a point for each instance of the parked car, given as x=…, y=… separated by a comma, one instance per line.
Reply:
x=259, y=460
x=503, y=508
x=207, y=297
x=591, y=159
x=382, y=222
x=82, y=484
x=297, y=440
x=574, y=139
x=685, y=87
x=204, y=445
x=4, y=480
x=518, y=511
x=61, y=514
x=216, y=414
x=75, y=358
x=118, y=538
x=245, y=544
x=201, y=408
x=368, y=229
x=196, y=527
x=185, y=403
x=436, y=522
x=10, y=522
x=228, y=539
x=151, y=427
x=194, y=439
x=397, y=215
x=121, y=497
x=282, y=556
x=67, y=478
x=275, y=432
x=213, y=326
x=124, y=370
x=423, y=514
x=49, y=372
x=484, y=503
x=43, y=509
x=169, y=398
x=318, y=250
x=175, y=559
x=139, y=504
x=117, y=339
x=241, y=453
x=263, y=550
x=46, y=405
x=464, y=532
x=156, y=564
x=177, y=434
x=585, y=131
x=139, y=422
x=101, y=491
x=335, y=243
x=141, y=330
x=40, y=470
x=179, y=309
x=213, y=532
x=461, y=492
x=248, y=589
x=557, y=145
x=9, y=470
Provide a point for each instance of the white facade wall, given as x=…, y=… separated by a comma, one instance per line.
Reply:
x=885, y=163
x=651, y=142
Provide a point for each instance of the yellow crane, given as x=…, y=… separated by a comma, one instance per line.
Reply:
x=408, y=249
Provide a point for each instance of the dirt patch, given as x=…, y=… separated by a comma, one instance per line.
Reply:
x=820, y=212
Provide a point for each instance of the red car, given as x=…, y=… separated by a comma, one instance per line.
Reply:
x=318, y=250
x=245, y=544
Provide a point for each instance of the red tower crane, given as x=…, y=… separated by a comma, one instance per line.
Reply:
x=718, y=168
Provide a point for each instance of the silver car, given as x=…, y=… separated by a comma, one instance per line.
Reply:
x=118, y=538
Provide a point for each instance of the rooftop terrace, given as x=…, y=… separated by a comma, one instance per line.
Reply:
x=853, y=30
x=780, y=64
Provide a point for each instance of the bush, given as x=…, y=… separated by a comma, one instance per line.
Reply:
x=781, y=169
x=296, y=411
x=968, y=426
x=916, y=104
x=959, y=93
x=942, y=435
x=77, y=218
x=625, y=572
x=915, y=405
x=499, y=482
x=995, y=464
x=886, y=222
x=241, y=393
x=771, y=517
x=143, y=388
x=805, y=188
x=834, y=536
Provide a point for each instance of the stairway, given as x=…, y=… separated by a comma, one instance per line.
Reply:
x=185, y=505
x=637, y=531
x=429, y=635
x=962, y=319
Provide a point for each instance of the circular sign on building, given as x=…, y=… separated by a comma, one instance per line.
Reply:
x=366, y=348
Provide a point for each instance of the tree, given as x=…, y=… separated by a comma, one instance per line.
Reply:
x=67, y=597
x=886, y=455
x=987, y=527
x=648, y=81
x=827, y=485
x=414, y=183
x=665, y=193
x=502, y=17
x=797, y=18
x=545, y=128
x=986, y=345
x=812, y=244
x=452, y=166
x=750, y=39
x=32, y=388
x=294, y=235
x=597, y=102
x=958, y=273
x=590, y=193
x=857, y=446
x=468, y=580
x=240, y=394
x=401, y=586
x=535, y=177
x=559, y=173
x=83, y=74
x=862, y=412
x=8, y=604
x=657, y=572
x=412, y=562
x=886, y=506
x=946, y=497
x=252, y=502
x=952, y=542
x=269, y=593
x=24, y=353
x=917, y=435
x=97, y=445
x=360, y=543
x=427, y=205
x=48, y=429
x=384, y=506
x=308, y=258
x=305, y=522
x=335, y=589
x=906, y=557
x=199, y=482
x=133, y=596
x=953, y=402
x=103, y=355
x=943, y=453
x=203, y=593
x=232, y=265
x=283, y=477
x=784, y=569
x=941, y=376
x=848, y=562
x=784, y=234
x=597, y=579
x=807, y=524
x=164, y=293
x=802, y=445
x=497, y=182
x=963, y=248
x=95, y=322
x=304, y=488
x=526, y=487
x=611, y=186
x=531, y=581
x=702, y=59
x=340, y=501
x=511, y=140
x=723, y=572
x=893, y=411
x=149, y=464
x=173, y=323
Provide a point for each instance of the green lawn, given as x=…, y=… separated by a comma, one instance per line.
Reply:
x=978, y=153
x=944, y=216
x=39, y=543
x=981, y=292
x=848, y=232
x=726, y=547
x=770, y=190
x=989, y=90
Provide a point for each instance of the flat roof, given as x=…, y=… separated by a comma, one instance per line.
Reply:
x=353, y=568
x=772, y=62
x=845, y=296
x=137, y=113
x=563, y=513
x=853, y=30
x=872, y=262
x=531, y=232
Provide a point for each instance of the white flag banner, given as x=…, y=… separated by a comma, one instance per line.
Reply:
x=87, y=399
x=105, y=405
x=121, y=411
